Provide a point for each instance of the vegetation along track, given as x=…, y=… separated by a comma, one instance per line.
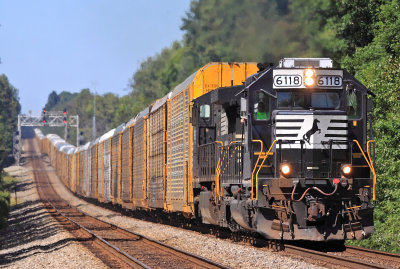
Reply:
x=117, y=247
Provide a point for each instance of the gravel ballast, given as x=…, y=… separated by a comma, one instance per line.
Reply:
x=33, y=238
x=222, y=251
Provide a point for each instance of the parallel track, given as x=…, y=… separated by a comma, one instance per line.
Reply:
x=352, y=257
x=117, y=247
x=331, y=256
x=390, y=260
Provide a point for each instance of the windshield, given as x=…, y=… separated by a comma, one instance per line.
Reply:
x=302, y=100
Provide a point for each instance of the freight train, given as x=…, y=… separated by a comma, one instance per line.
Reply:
x=283, y=151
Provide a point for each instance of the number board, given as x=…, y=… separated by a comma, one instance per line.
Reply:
x=328, y=80
x=294, y=78
x=287, y=80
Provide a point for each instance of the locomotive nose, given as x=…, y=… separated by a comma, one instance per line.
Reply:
x=307, y=139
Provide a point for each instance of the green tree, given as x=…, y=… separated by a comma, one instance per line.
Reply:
x=10, y=108
x=82, y=104
x=226, y=30
x=52, y=100
x=376, y=63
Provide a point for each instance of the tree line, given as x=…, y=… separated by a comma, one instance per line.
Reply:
x=9, y=110
x=362, y=36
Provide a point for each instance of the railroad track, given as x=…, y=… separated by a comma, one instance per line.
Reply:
x=331, y=256
x=121, y=248
x=384, y=259
x=352, y=257
x=116, y=247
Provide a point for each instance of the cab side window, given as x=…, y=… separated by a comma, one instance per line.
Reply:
x=354, y=103
x=261, y=106
x=205, y=112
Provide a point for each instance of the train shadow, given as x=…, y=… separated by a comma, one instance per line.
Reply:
x=29, y=225
x=329, y=246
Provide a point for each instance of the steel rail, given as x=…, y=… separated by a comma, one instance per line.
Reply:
x=377, y=252
x=82, y=227
x=202, y=259
x=383, y=257
x=330, y=258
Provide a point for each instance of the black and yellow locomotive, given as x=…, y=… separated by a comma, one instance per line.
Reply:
x=287, y=154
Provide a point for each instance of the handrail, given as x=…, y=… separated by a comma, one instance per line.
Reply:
x=217, y=170
x=255, y=166
x=373, y=173
x=259, y=168
x=371, y=166
x=264, y=157
x=230, y=157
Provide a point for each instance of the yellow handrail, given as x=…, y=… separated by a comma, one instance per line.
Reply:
x=218, y=170
x=371, y=166
x=259, y=168
x=255, y=166
x=230, y=157
x=264, y=157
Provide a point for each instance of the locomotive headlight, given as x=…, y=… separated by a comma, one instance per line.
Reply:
x=309, y=73
x=285, y=169
x=309, y=77
x=346, y=169
x=309, y=81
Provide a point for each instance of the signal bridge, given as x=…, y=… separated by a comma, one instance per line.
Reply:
x=47, y=119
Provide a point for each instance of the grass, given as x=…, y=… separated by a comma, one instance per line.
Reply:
x=7, y=184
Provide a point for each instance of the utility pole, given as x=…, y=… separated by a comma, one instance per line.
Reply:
x=94, y=118
x=65, y=120
x=77, y=132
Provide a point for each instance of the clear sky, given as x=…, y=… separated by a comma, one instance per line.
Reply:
x=68, y=45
